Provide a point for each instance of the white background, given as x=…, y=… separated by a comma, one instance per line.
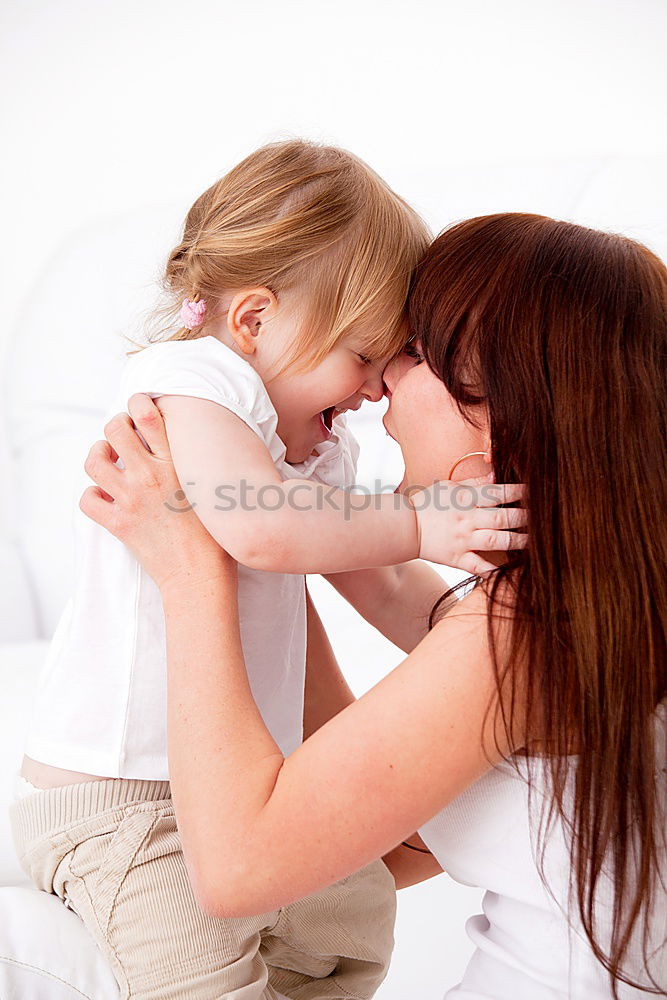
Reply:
x=110, y=106
x=113, y=107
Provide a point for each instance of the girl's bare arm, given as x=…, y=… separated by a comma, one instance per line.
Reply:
x=396, y=600
x=327, y=692
x=301, y=526
x=292, y=526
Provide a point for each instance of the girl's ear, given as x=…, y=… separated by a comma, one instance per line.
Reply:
x=248, y=311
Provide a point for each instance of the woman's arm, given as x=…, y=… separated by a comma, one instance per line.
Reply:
x=396, y=600
x=327, y=692
x=360, y=785
x=412, y=862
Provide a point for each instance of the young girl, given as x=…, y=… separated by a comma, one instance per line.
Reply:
x=291, y=278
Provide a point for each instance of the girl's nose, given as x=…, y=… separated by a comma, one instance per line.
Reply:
x=374, y=387
x=390, y=377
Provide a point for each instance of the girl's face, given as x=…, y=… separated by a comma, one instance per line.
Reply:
x=425, y=421
x=307, y=402
x=254, y=324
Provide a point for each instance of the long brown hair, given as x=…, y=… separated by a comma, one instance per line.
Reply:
x=560, y=332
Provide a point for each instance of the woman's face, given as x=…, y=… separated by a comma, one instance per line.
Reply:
x=425, y=421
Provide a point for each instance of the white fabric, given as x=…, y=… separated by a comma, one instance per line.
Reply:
x=18, y=619
x=101, y=705
x=20, y=663
x=526, y=947
x=23, y=788
x=61, y=373
x=46, y=953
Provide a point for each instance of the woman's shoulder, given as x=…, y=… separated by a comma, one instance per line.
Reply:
x=484, y=601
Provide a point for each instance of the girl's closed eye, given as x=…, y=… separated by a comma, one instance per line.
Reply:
x=364, y=359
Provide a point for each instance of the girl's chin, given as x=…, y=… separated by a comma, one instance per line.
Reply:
x=295, y=456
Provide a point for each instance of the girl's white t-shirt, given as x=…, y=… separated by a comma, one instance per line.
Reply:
x=101, y=704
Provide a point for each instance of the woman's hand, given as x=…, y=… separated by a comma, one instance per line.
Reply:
x=143, y=504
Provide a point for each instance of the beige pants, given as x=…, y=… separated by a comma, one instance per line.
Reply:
x=111, y=851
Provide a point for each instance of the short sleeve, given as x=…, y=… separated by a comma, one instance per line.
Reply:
x=205, y=369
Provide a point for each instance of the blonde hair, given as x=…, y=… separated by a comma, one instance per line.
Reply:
x=296, y=214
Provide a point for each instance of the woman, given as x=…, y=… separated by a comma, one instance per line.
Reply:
x=524, y=736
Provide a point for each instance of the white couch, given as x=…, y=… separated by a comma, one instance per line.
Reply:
x=60, y=367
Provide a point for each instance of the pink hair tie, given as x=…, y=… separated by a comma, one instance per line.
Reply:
x=192, y=313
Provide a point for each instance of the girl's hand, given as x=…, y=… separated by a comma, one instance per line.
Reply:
x=456, y=521
x=143, y=505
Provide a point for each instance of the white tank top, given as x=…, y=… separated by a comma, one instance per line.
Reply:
x=101, y=704
x=526, y=949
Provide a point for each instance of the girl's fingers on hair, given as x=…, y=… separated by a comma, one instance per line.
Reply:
x=494, y=541
x=497, y=493
x=500, y=518
x=150, y=424
x=101, y=466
